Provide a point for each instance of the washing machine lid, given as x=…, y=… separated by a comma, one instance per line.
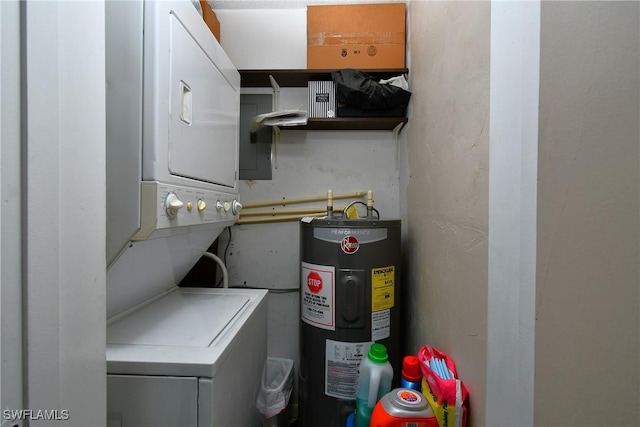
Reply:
x=178, y=319
x=185, y=332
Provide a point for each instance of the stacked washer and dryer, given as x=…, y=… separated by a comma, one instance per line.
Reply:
x=175, y=356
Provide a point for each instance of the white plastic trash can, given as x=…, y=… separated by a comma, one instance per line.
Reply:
x=273, y=398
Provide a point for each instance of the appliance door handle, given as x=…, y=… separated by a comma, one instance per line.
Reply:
x=186, y=103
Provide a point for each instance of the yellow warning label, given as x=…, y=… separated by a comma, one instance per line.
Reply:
x=382, y=287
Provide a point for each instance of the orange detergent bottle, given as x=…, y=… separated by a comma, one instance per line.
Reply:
x=403, y=407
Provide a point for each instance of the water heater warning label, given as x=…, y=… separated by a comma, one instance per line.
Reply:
x=382, y=301
x=380, y=325
x=382, y=287
x=341, y=367
x=317, y=293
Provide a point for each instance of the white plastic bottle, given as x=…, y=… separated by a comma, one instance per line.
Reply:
x=374, y=381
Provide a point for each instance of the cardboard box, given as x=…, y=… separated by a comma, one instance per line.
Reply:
x=210, y=19
x=362, y=36
x=322, y=99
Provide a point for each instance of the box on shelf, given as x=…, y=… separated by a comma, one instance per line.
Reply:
x=364, y=36
x=322, y=99
x=210, y=19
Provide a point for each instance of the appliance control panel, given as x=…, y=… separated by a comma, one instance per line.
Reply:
x=166, y=206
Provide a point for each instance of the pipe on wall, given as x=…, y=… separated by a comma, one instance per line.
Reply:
x=273, y=215
x=275, y=212
x=279, y=218
x=285, y=202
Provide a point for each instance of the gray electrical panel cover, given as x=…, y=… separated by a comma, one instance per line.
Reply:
x=255, y=141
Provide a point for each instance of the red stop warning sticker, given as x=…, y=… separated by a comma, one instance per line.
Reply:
x=317, y=294
x=349, y=244
x=314, y=282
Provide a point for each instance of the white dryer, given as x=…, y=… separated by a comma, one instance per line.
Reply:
x=191, y=357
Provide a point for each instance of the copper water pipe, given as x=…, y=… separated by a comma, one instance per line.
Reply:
x=275, y=212
x=284, y=202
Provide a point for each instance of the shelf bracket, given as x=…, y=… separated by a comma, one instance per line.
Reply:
x=397, y=129
x=276, y=92
x=396, y=133
x=274, y=148
x=276, y=130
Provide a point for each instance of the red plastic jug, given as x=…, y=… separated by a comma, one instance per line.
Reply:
x=402, y=406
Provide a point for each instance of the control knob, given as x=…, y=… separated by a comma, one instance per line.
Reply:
x=236, y=207
x=172, y=204
x=223, y=206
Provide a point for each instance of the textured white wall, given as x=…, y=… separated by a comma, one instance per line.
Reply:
x=562, y=341
x=587, y=360
x=258, y=39
x=447, y=192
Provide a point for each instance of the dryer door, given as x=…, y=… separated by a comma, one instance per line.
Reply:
x=204, y=111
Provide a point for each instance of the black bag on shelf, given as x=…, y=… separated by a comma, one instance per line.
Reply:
x=356, y=88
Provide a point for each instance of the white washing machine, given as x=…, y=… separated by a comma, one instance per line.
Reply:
x=190, y=357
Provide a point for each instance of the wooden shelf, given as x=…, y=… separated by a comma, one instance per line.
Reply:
x=299, y=78
x=350, y=123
